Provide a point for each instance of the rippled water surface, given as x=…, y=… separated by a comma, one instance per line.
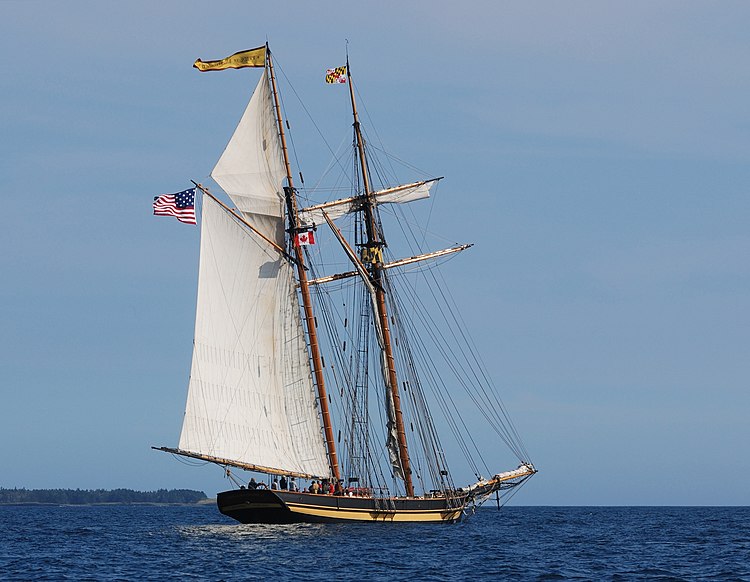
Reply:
x=121, y=542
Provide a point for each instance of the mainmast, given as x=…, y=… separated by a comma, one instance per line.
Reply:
x=372, y=257
x=312, y=333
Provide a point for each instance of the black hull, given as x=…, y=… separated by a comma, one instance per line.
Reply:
x=265, y=506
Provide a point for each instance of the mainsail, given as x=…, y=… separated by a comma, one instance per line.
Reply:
x=251, y=398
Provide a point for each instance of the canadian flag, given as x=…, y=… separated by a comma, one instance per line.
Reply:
x=305, y=238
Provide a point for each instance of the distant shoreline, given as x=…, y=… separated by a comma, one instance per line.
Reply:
x=109, y=503
x=102, y=497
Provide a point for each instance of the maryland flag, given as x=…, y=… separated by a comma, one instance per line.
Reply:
x=253, y=58
x=337, y=75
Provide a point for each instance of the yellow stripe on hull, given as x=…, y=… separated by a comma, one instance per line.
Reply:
x=405, y=515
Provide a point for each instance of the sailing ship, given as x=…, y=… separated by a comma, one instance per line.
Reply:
x=273, y=387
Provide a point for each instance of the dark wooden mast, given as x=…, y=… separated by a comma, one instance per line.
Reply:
x=312, y=333
x=373, y=259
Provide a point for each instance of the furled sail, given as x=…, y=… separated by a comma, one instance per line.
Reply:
x=251, y=397
x=338, y=208
x=391, y=440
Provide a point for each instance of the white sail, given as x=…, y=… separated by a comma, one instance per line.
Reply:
x=251, y=169
x=338, y=208
x=251, y=398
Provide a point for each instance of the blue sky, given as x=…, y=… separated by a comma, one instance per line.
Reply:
x=595, y=152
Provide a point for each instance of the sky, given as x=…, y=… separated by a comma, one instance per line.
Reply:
x=596, y=153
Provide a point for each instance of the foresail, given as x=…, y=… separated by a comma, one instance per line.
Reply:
x=251, y=169
x=251, y=397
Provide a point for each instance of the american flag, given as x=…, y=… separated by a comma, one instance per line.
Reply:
x=180, y=205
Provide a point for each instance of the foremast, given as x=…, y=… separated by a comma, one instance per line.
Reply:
x=372, y=257
x=312, y=334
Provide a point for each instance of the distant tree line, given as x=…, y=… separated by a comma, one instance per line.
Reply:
x=86, y=496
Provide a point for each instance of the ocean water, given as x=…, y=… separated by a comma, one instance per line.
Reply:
x=121, y=542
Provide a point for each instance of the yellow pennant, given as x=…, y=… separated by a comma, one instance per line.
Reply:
x=253, y=58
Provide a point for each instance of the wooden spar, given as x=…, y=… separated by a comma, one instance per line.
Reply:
x=239, y=465
x=361, y=269
x=243, y=221
x=391, y=265
x=312, y=333
x=353, y=201
x=376, y=272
